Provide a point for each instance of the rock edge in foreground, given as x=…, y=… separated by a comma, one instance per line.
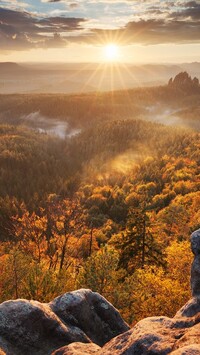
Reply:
x=30, y=327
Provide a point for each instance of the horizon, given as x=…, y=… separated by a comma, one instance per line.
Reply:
x=111, y=64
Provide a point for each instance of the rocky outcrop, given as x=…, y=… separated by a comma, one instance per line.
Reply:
x=195, y=270
x=30, y=327
x=59, y=328
x=184, y=81
x=91, y=313
x=161, y=335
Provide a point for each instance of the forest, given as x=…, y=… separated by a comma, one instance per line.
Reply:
x=112, y=207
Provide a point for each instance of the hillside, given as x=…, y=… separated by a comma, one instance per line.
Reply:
x=175, y=105
x=10, y=67
x=108, y=205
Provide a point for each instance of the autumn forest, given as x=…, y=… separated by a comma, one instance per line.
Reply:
x=108, y=205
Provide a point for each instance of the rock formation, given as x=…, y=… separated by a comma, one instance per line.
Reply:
x=195, y=270
x=91, y=313
x=33, y=328
x=185, y=82
x=79, y=322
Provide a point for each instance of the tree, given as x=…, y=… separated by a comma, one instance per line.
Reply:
x=64, y=222
x=30, y=235
x=155, y=293
x=136, y=244
x=99, y=271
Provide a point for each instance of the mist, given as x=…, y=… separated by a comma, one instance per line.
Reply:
x=169, y=117
x=50, y=126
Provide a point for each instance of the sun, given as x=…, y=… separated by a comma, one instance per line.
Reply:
x=111, y=52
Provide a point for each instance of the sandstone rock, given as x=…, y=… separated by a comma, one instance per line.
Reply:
x=188, y=350
x=190, y=311
x=195, y=270
x=160, y=335
x=90, y=312
x=191, y=336
x=32, y=328
x=77, y=349
x=150, y=336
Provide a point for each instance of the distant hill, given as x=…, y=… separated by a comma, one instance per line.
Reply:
x=192, y=68
x=75, y=78
x=10, y=66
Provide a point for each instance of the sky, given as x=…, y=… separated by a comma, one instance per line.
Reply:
x=143, y=31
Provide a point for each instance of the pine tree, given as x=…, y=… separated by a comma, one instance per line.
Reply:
x=136, y=244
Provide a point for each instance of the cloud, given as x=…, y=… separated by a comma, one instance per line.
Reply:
x=151, y=22
x=14, y=4
x=22, y=30
x=192, y=4
x=163, y=31
x=190, y=10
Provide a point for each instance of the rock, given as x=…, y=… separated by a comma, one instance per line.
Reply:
x=195, y=270
x=90, y=312
x=190, y=310
x=185, y=82
x=161, y=335
x=154, y=335
x=67, y=325
x=32, y=328
x=77, y=349
x=195, y=242
x=188, y=350
x=190, y=337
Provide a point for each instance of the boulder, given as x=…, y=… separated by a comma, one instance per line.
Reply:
x=190, y=311
x=29, y=327
x=69, y=323
x=161, y=335
x=153, y=336
x=77, y=349
x=90, y=312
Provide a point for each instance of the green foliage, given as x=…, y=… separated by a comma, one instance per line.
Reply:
x=99, y=272
x=137, y=244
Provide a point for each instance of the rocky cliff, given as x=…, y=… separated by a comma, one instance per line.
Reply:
x=83, y=322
